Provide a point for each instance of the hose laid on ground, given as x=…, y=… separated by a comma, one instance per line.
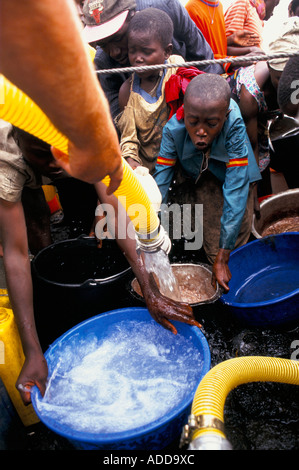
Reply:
x=22, y=112
x=206, y=423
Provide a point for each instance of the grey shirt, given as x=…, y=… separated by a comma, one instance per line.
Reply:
x=15, y=173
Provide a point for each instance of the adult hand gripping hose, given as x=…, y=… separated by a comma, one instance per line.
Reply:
x=22, y=112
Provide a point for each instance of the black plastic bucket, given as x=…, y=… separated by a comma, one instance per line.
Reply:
x=74, y=280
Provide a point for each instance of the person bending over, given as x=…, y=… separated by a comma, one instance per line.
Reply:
x=207, y=137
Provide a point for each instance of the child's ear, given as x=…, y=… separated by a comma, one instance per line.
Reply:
x=168, y=51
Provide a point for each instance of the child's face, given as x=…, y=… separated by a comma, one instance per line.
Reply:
x=145, y=50
x=39, y=156
x=204, y=120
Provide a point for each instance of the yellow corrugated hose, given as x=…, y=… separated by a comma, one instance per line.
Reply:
x=22, y=112
x=209, y=399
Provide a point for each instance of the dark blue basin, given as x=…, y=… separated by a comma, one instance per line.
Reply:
x=264, y=288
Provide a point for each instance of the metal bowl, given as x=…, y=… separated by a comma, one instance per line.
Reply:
x=191, y=278
x=278, y=214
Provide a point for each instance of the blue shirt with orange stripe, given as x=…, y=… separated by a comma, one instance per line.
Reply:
x=231, y=160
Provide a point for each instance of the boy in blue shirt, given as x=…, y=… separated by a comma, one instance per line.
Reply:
x=208, y=138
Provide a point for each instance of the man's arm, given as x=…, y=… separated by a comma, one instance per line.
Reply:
x=13, y=235
x=57, y=73
x=161, y=308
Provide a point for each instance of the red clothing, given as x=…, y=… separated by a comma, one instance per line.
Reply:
x=209, y=18
x=176, y=86
x=243, y=15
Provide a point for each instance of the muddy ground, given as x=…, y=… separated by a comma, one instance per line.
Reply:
x=258, y=416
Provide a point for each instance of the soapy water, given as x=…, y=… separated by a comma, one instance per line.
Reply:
x=128, y=379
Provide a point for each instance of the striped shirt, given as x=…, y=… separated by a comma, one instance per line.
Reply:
x=242, y=15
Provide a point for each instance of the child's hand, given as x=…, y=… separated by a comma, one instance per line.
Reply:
x=163, y=309
x=34, y=372
x=221, y=271
x=245, y=38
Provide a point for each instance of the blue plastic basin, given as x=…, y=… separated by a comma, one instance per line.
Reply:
x=264, y=288
x=152, y=436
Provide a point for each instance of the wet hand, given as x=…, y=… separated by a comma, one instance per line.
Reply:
x=163, y=309
x=220, y=271
x=34, y=372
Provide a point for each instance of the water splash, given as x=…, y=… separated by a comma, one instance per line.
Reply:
x=158, y=263
x=135, y=374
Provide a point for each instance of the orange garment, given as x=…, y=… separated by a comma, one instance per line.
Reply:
x=241, y=15
x=209, y=18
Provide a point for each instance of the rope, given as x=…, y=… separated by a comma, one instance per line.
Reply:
x=200, y=63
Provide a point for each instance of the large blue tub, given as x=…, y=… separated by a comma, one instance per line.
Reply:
x=264, y=289
x=164, y=429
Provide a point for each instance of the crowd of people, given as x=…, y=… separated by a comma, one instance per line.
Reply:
x=201, y=130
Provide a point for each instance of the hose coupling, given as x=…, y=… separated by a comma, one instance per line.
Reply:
x=210, y=441
x=202, y=422
x=160, y=241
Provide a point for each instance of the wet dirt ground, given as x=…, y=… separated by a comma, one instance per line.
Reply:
x=258, y=416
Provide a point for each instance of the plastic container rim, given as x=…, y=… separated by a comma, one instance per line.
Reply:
x=87, y=282
x=265, y=302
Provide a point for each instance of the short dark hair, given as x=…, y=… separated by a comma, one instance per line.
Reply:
x=209, y=87
x=155, y=21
